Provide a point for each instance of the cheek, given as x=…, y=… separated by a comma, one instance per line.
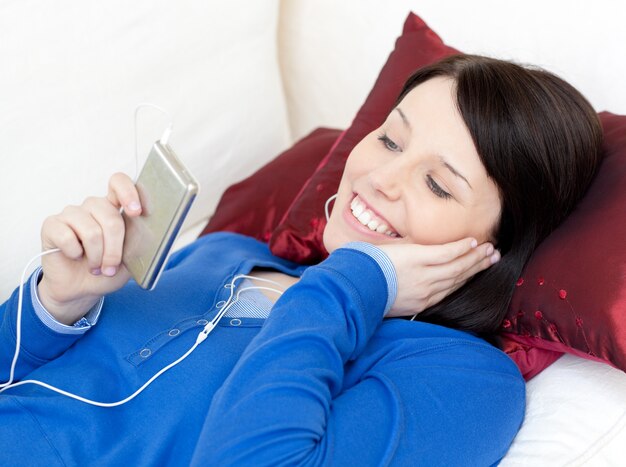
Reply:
x=360, y=162
x=366, y=155
x=490, y=221
x=360, y=159
x=485, y=216
x=435, y=222
x=432, y=225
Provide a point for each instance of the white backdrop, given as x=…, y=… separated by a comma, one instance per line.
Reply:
x=332, y=50
x=72, y=73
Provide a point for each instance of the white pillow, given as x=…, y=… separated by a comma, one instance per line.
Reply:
x=575, y=415
x=72, y=73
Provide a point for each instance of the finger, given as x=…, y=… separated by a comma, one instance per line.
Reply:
x=439, y=296
x=471, y=267
x=88, y=232
x=441, y=254
x=57, y=234
x=113, y=228
x=441, y=289
x=122, y=193
x=485, y=263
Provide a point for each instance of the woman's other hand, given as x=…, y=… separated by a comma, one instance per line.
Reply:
x=428, y=273
x=91, y=239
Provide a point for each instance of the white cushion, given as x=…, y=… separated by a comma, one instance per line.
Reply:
x=72, y=73
x=575, y=415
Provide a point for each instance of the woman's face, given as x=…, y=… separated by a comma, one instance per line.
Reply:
x=416, y=179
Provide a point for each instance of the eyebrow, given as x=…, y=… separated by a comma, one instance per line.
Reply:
x=404, y=119
x=443, y=161
x=447, y=165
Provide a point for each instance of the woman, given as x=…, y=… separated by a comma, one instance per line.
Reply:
x=436, y=214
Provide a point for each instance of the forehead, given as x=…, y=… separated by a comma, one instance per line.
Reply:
x=437, y=128
x=432, y=105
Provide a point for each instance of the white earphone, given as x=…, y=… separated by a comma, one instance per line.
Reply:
x=332, y=198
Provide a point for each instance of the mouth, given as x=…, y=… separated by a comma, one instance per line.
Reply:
x=369, y=219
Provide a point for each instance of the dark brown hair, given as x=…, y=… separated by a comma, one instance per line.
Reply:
x=540, y=141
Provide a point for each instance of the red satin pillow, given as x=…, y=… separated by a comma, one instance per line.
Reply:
x=255, y=206
x=571, y=294
x=299, y=236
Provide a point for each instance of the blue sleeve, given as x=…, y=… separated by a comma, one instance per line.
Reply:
x=39, y=343
x=287, y=400
x=385, y=265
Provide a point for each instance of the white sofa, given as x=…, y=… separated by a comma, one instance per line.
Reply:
x=243, y=80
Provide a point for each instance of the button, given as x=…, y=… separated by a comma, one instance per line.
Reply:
x=174, y=332
x=145, y=353
x=235, y=322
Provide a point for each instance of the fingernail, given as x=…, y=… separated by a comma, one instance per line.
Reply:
x=474, y=243
x=489, y=250
x=96, y=271
x=495, y=257
x=109, y=271
x=134, y=206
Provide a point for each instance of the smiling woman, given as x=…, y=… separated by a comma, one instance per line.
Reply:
x=475, y=147
x=322, y=374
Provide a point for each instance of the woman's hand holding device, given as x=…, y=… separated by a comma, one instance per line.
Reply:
x=105, y=241
x=428, y=273
x=91, y=238
x=93, y=249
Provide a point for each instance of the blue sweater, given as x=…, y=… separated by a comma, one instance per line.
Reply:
x=323, y=381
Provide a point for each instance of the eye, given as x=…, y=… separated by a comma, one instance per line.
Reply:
x=389, y=143
x=436, y=189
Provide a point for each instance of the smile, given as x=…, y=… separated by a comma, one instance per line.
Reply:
x=370, y=219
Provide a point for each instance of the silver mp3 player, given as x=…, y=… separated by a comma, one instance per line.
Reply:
x=166, y=191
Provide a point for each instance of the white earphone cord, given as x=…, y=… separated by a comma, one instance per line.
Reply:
x=201, y=337
x=164, y=137
x=18, y=332
x=328, y=201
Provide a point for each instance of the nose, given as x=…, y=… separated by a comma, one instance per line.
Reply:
x=387, y=179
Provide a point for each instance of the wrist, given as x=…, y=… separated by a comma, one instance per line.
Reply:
x=64, y=311
x=385, y=265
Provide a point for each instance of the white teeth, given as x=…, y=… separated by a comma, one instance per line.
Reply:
x=382, y=228
x=369, y=219
x=365, y=217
